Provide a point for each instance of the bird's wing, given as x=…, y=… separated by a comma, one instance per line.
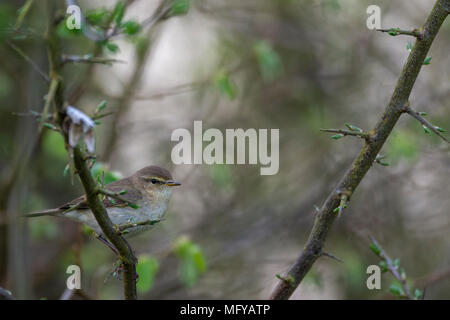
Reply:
x=133, y=195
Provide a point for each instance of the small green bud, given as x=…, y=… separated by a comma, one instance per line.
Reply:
x=426, y=129
x=427, y=61
x=337, y=136
x=375, y=249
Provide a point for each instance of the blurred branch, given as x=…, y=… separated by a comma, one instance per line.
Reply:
x=128, y=93
x=28, y=59
x=392, y=268
x=88, y=58
x=325, y=218
x=22, y=13
x=432, y=278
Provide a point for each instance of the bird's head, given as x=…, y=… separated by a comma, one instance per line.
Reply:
x=156, y=181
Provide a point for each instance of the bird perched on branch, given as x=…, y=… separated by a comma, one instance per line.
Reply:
x=133, y=204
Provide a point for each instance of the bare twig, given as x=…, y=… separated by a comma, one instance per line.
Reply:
x=397, y=31
x=363, y=135
x=28, y=59
x=329, y=255
x=325, y=218
x=88, y=58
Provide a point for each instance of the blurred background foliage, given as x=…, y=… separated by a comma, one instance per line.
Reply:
x=294, y=65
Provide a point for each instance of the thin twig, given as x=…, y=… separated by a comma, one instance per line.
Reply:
x=48, y=101
x=329, y=255
x=362, y=135
x=88, y=58
x=121, y=228
x=23, y=12
x=393, y=269
x=28, y=59
x=396, y=32
x=424, y=122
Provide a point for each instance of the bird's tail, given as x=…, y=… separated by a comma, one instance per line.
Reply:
x=49, y=212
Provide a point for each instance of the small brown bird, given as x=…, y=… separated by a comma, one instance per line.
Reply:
x=147, y=191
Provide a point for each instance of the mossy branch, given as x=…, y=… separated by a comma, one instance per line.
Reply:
x=82, y=168
x=348, y=184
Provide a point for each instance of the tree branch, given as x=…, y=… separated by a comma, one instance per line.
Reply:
x=425, y=123
x=88, y=58
x=362, y=135
x=392, y=268
x=80, y=162
x=28, y=59
x=325, y=218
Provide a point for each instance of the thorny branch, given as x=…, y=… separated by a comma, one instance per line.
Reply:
x=325, y=218
x=425, y=124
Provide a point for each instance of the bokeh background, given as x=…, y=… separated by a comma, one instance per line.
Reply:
x=289, y=64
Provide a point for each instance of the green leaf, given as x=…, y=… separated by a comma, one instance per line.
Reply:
x=146, y=268
x=49, y=126
x=130, y=27
x=423, y=114
x=375, y=249
x=66, y=170
x=225, y=85
x=396, y=263
x=439, y=129
x=426, y=129
x=353, y=128
x=109, y=176
x=133, y=205
x=97, y=17
x=180, y=7
x=418, y=294
x=427, y=61
x=118, y=12
x=122, y=192
x=394, y=32
x=193, y=262
x=88, y=231
x=112, y=47
x=101, y=106
x=409, y=46
x=269, y=61
x=396, y=289
x=337, y=136
x=383, y=265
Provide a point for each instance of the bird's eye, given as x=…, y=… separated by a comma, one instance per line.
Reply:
x=154, y=181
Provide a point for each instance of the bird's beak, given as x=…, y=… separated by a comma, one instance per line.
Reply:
x=172, y=183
